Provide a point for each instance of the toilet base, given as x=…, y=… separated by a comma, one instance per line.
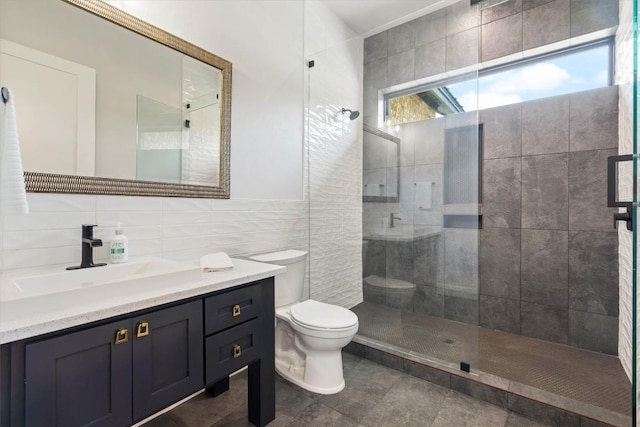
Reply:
x=295, y=376
x=312, y=363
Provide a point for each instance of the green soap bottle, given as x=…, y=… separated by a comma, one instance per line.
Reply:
x=119, y=248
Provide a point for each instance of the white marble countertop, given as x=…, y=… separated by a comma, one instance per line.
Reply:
x=22, y=318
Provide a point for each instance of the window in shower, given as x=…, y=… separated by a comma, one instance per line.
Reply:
x=561, y=72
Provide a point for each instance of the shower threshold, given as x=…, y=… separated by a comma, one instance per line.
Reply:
x=506, y=369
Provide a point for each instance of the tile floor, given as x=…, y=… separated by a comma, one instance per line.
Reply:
x=374, y=396
x=592, y=378
x=571, y=374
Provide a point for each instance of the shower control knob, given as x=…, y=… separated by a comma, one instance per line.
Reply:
x=622, y=216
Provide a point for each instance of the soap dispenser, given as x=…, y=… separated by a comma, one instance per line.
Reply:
x=119, y=249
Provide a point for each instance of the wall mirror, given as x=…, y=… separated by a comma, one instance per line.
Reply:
x=381, y=167
x=109, y=104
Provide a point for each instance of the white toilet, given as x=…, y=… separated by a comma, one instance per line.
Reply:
x=310, y=335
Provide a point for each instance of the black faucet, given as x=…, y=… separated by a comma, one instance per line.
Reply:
x=392, y=219
x=88, y=243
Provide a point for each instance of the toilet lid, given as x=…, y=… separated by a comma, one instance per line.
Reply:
x=317, y=314
x=281, y=257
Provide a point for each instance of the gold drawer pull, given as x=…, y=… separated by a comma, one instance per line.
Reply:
x=143, y=329
x=237, y=351
x=122, y=336
x=236, y=310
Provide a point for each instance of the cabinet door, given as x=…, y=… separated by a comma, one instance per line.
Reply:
x=167, y=357
x=79, y=379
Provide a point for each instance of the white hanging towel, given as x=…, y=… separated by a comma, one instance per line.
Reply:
x=423, y=195
x=13, y=195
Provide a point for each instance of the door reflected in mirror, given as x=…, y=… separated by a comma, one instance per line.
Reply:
x=179, y=144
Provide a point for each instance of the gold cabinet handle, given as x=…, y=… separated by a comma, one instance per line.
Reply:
x=122, y=336
x=237, y=351
x=143, y=329
x=236, y=310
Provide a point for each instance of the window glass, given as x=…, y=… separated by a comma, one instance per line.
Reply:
x=574, y=70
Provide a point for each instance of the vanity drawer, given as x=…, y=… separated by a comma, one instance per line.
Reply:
x=232, y=308
x=228, y=351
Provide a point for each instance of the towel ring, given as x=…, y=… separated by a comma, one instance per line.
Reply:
x=5, y=95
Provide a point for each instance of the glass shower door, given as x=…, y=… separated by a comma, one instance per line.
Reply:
x=629, y=139
x=422, y=173
x=333, y=140
x=627, y=66
x=441, y=202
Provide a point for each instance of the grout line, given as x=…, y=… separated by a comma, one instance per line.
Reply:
x=568, y=216
x=520, y=225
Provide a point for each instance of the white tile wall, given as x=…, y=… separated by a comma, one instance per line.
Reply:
x=183, y=229
x=624, y=80
x=334, y=157
x=173, y=228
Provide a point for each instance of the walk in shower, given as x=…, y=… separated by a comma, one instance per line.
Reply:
x=488, y=247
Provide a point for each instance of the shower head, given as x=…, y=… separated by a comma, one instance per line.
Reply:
x=352, y=114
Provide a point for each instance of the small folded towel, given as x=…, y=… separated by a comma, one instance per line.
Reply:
x=218, y=261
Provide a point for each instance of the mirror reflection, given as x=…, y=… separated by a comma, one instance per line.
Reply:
x=181, y=144
x=103, y=101
x=381, y=156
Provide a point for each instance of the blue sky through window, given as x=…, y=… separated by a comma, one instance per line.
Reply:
x=573, y=72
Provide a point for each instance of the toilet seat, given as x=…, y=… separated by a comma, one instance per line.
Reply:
x=320, y=316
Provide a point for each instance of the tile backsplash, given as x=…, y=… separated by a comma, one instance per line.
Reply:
x=174, y=228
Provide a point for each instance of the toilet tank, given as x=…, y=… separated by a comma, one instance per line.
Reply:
x=289, y=286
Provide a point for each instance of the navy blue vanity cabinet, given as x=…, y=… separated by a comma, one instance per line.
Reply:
x=118, y=371
x=114, y=374
x=167, y=357
x=239, y=331
x=81, y=378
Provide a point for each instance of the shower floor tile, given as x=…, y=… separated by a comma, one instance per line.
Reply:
x=593, y=378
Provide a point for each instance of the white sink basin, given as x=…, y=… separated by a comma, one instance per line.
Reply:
x=146, y=272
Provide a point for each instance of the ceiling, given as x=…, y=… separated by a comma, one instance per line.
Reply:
x=368, y=17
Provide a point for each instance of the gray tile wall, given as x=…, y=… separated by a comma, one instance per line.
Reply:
x=461, y=35
x=547, y=253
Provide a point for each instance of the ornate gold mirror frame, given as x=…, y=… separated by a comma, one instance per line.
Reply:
x=53, y=183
